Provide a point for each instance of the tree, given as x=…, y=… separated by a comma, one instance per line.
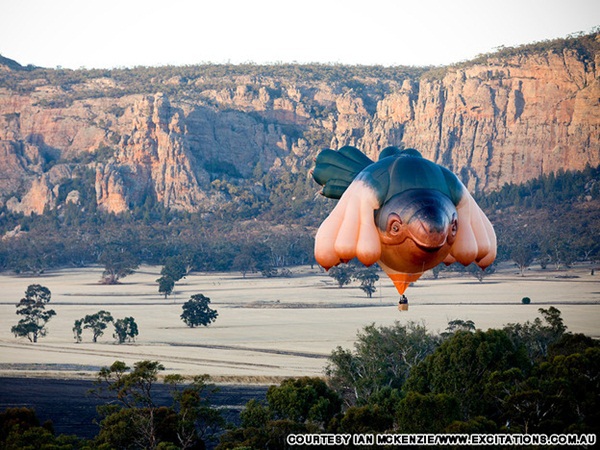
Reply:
x=571, y=382
x=383, y=358
x=173, y=271
x=253, y=256
x=523, y=248
x=244, y=263
x=33, y=308
x=559, y=395
x=255, y=414
x=431, y=412
x=20, y=429
x=196, y=421
x=304, y=399
x=458, y=325
x=367, y=277
x=304, y=405
x=118, y=263
x=97, y=323
x=77, y=330
x=570, y=343
x=165, y=285
x=125, y=329
x=197, y=312
x=135, y=407
x=342, y=274
x=558, y=251
x=462, y=367
x=371, y=418
x=174, y=268
x=133, y=419
x=479, y=273
x=553, y=317
x=536, y=337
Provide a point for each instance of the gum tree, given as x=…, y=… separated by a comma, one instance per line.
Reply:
x=125, y=330
x=97, y=323
x=133, y=416
x=35, y=316
x=118, y=263
x=342, y=274
x=197, y=312
x=367, y=277
x=78, y=330
x=174, y=270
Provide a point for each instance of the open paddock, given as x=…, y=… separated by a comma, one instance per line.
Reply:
x=268, y=328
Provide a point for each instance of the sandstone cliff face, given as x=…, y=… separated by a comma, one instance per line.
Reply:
x=512, y=120
x=150, y=159
x=505, y=120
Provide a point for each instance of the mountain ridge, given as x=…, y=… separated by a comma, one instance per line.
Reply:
x=177, y=135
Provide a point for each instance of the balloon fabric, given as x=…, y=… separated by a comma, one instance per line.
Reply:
x=404, y=212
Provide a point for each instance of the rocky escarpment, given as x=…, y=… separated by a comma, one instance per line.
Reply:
x=505, y=118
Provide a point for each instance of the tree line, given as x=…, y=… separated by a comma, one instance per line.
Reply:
x=524, y=378
x=344, y=274
x=80, y=235
x=33, y=324
x=584, y=44
x=141, y=80
x=553, y=219
x=126, y=329
x=188, y=80
x=546, y=190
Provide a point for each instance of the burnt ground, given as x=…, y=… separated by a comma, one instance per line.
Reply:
x=72, y=409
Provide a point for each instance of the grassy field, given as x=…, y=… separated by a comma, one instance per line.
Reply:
x=268, y=329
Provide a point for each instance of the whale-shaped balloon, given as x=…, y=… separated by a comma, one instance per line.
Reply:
x=404, y=212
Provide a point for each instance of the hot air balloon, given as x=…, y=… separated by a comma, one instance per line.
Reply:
x=404, y=212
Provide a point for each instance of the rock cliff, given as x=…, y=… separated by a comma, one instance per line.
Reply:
x=167, y=138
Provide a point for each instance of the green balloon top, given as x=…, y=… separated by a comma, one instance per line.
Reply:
x=395, y=172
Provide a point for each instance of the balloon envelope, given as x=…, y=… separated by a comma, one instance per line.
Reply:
x=404, y=212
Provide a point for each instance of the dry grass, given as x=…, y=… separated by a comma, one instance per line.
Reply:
x=267, y=329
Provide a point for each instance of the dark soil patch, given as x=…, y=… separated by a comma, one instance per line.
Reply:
x=73, y=411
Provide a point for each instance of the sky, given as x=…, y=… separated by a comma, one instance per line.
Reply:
x=127, y=33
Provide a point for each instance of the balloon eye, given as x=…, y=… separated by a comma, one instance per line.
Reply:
x=454, y=227
x=394, y=224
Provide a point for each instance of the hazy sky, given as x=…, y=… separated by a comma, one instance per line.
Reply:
x=113, y=33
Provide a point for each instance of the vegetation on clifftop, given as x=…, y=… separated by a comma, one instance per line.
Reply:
x=585, y=45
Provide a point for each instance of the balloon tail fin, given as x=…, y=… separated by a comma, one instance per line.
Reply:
x=335, y=170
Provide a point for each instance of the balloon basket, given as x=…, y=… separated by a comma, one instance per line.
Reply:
x=403, y=304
